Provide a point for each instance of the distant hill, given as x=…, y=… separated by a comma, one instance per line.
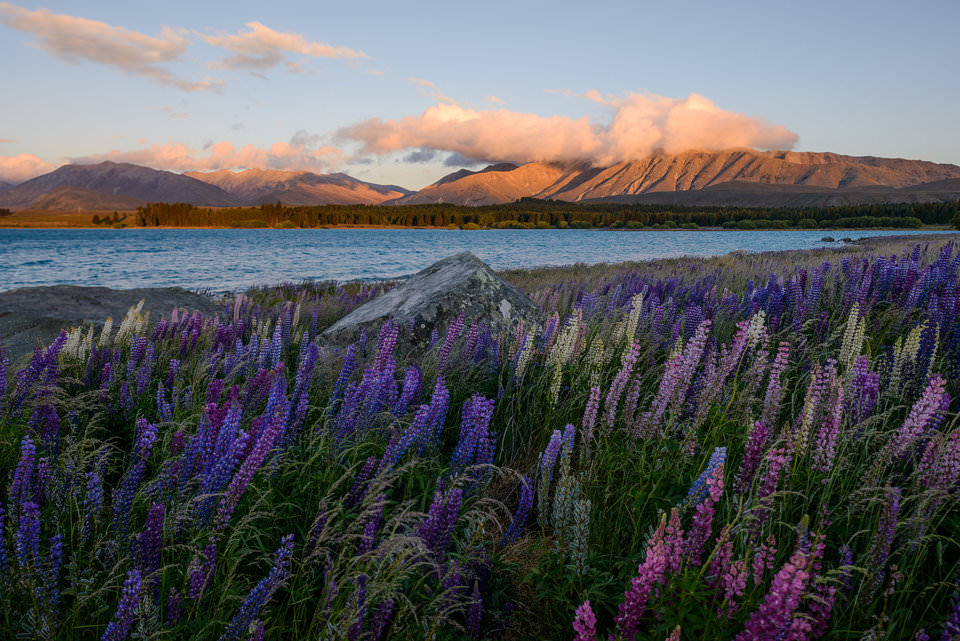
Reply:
x=5, y=185
x=258, y=186
x=65, y=198
x=740, y=176
x=119, y=179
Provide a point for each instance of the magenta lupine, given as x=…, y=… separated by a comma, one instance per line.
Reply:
x=756, y=441
x=650, y=573
x=119, y=628
x=729, y=576
x=923, y=412
x=585, y=623
x=674, y=543
x=763, y=559
x=821, y=609
x=619, y=384
x=775, y=614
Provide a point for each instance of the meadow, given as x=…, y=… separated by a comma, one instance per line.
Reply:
x=750, y=447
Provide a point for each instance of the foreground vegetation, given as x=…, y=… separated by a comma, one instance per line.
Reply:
x=750, y=447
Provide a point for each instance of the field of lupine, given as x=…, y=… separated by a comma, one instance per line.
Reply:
x=752, y=447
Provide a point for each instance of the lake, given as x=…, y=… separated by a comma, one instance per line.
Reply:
x=234, y=259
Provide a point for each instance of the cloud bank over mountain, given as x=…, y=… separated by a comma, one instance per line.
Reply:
x=639, y=124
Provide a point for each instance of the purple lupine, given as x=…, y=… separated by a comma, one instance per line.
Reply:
x=883, y=538
x=548, y=459
x=360, y=608
x=951, y=627
x=453, y=331
x=474, y=443
x=763, y=559
x=864, y=390
x=437, y=529
x=119, y=628
x=585, y=623
x=778, y=459
x=386, y=344
x=519, y=520
x=776, y=612
x=677, y=375
x=349, y=366
x=821, y=609
x=412, y=388
x=4, y=559
x=650, y=574
x=474, y=613
x=21, y=487
x=123, y=495
x=52, y=574
x=202, y=571
x=751, y=457
x=28, y=537
x=379, y=623
x=771, y=402
x=368, y=539
x=923, y=412
x=148, y=544
x=174, y=607
x=92, y=503
x=262, y=592
x=360, y=484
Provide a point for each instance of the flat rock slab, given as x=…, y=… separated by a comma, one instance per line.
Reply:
x=433, y=297
x=33, y=316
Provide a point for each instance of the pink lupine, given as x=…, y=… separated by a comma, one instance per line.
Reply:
x=702, y=527
x=924, y=411
x=825, y=447
x=590, y=414
x=650, y=573
x=619, y=384
x=763, y=559
x=585, y=623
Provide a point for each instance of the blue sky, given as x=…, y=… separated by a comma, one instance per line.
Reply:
x=510, y=81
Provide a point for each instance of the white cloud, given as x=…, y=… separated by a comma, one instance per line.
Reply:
x=16, y=169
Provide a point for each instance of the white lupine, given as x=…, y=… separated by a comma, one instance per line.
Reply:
x=853, y=335
x=756, y=330
x=72, y=347
x=905, y=351
x=595, y=361
x=133, y=323
x=526, y=353
x=578, y=538
x=105, y=332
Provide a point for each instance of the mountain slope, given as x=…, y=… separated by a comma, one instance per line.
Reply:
x=795, y=173
x=119, y=179
x=64, y=198
x=256, y=186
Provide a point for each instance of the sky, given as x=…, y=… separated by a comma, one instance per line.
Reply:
x=404, y=93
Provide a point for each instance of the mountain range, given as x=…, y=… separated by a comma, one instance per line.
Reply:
x=736, y=177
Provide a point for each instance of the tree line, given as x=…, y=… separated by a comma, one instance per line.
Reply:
x=533, y=213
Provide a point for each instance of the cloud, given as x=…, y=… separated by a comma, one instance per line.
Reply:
x=420, y=82
x=495, y=100
x=16, y=169
x=173, y=113
x=224, y=155
x=74, y=40
x=7, y=140
x=638, y=125
x=261, y=48
x=420, y=156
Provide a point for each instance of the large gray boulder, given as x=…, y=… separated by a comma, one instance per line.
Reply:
x=435, y=296
x=32, y=316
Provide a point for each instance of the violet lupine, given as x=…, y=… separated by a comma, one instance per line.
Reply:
x=174, y=605
x=119, y=628
x=474, y=443
x=149, y=543
x=650, y=574
x=360, y=609
x=349, y=366
x=52, y=575
x=92, y=503
x=619, y=384
x=519, y=520
x=923, y=412
x=123, y=495
x=262, y=592
x=411, y=391
x=883, y=538
x=360, y=484
x=771, y=402
x=548, y=459
x=386, y=344
x=756, y=441
x=201, y=571
x=590, y=415
x=243, y=476
x=776, y=613
x=585, y=623
x=439, y=403
x=437, y=530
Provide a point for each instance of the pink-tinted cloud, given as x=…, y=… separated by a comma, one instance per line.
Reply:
x=74, y=39
x=261, y=48
x=639, y=124
x=16, y=169
x=293, y=155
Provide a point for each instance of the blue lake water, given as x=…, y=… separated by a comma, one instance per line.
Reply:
x=234, y=259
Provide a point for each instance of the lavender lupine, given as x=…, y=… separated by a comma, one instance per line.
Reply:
x=119, y=628
x=771, y=402
x=702, y=527
x=677, y=376
x=548, y=459
x=883, y=538
x=262, y=592
x=619, y=384
x=825, y=447
x=923, y=412
x=756, y=441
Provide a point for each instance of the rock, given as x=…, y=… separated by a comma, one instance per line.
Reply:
x=33, y=316
x=435, y=296
x=827, y=239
